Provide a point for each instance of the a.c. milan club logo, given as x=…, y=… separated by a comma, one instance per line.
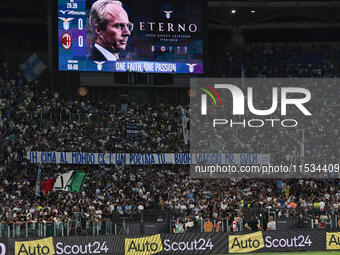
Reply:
x=66, y=41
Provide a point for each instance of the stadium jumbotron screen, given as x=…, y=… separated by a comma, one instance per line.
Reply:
x=132, y=35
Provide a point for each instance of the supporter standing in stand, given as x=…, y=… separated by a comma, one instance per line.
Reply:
x=253, y=225
x=271, y=224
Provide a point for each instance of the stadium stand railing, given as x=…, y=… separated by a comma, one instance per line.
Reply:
x=108, y=227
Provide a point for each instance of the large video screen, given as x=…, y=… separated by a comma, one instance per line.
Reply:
x=151, y=36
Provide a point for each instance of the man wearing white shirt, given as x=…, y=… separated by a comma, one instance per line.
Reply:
x=322, y=205
x=110, y=29
x=271, y=225
x=224, y=205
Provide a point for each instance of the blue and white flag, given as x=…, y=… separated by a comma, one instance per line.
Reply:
x=32, y=68
x=38, y=183
x=131, y=128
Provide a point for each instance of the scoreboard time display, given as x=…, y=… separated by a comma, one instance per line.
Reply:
x=148, y=36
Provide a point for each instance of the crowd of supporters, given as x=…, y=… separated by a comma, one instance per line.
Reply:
x=35, y=118
x=279, y=61
x=125, y=191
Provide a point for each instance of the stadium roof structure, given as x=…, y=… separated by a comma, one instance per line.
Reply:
x=23, y=12
x=223, y=14
x=269, y=14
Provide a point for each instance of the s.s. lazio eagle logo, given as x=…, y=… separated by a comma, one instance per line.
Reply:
x=168, y=14
x=66, y=22
x=191, y=67
x=99, y=64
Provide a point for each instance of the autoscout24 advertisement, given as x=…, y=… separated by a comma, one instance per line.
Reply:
x=189, y=243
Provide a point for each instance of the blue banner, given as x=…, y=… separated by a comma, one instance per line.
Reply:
x=54, y=157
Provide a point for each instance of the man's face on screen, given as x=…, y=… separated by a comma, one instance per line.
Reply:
x=118, y=29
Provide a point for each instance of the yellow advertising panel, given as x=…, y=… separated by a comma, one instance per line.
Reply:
x=333, y=240
x=246, y=243
x=42, y=246
x=144, y=245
